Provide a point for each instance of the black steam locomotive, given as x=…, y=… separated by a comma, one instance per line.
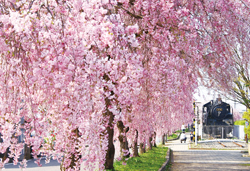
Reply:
x=217, y=119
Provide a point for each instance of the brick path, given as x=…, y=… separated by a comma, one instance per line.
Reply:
x=199, y=160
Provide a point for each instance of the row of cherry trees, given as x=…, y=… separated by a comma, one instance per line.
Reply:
x=80, y=68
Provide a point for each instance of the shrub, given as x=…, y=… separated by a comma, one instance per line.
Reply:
x=239, y=122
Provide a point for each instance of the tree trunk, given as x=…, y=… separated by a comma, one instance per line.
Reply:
x=163, y=139
x=150, y=143
x=5, y=156
x=135, y=148
x=123, y=140
x=142, y=148
x=27, y=152
x=109, y=159
x=75, y=155
x=154, y=142
x=111, y=150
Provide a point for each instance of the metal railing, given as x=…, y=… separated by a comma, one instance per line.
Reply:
x=217, y=131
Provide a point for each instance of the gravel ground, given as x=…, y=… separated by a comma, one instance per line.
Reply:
x=215, y=145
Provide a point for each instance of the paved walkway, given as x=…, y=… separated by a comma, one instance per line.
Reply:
x=199, y=160
x=52, y=166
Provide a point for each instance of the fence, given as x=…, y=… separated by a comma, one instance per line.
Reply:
x=217, y=131
x=239, y=131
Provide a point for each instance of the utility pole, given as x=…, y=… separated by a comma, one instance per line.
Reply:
x=196, y=127
x=196, y=120
x=195, y=140
x=246, y=123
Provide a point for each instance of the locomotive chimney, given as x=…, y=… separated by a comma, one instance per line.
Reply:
x=219, y=99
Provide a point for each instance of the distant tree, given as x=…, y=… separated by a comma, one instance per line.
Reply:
x=226, y=55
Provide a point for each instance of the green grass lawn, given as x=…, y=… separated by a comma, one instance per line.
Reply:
x=179, y=131
x=151, y=160
x=245, y=164
x=173, y=136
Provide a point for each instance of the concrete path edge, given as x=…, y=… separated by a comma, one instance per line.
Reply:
x=168, y=160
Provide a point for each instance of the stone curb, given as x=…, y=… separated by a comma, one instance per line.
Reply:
x=168, y=160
